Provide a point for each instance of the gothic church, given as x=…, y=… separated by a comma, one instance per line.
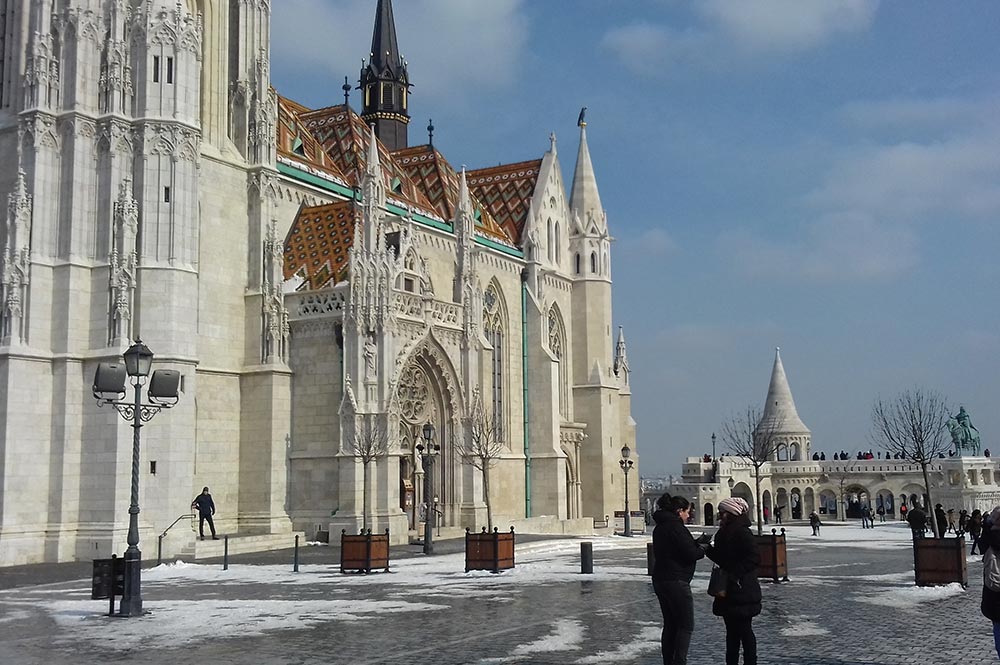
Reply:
x=309, y=273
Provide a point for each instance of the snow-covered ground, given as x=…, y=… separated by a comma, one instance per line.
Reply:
x=230, y=603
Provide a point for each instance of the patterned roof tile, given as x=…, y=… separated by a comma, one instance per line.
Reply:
x=316, y=247
x=506, y=191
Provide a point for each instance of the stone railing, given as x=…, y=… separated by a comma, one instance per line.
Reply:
x=445, y=313
x=315, y=304
x=409, y=305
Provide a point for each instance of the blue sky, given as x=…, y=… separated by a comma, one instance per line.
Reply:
x=819, y=176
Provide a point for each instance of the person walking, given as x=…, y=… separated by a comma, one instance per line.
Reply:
x=881, y=514
x=676, y=553
x=902, y=512
x=976, y=531
x=206, y=508
x=735, y=551
x=990, y=604
x=814, y=522
x=951, y=521
x=941, y=519
x=918, y=522
x=777, y=514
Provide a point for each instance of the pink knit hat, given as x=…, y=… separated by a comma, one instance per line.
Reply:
x=734, y=505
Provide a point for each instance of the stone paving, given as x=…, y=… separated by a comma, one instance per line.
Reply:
x=843, y=606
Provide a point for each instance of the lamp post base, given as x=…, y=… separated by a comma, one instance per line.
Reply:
x=131, y=605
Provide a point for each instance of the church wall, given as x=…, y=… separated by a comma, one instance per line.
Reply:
x=216, y=454
x=317, y=392
x=222, y=269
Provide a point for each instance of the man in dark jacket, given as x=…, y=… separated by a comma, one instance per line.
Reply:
x=206, y=508
x=675, y=552
x=942, y=520
x=735, y=551
x=917, y=520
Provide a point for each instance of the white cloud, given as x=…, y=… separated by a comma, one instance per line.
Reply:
x=906, y=181
x=730, y=32
x=787, y=25
x=843, y=247
x=449, y=44
x=650, y=242
x=946, y=115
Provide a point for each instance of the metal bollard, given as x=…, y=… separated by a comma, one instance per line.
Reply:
x=650, y=559
x=295, y=568
x=225, y=553
x=586, y=557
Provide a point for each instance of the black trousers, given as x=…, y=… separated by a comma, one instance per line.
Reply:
x=740, y=631
x=677, y=608
x=201, y=524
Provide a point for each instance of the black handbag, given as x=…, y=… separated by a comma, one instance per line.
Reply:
x=718, y=582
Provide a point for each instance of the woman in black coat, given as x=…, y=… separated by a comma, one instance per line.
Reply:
x=675, y=552
x=990, y=605
x=735, y=551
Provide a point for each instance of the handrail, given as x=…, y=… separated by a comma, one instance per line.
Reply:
x=159, y=539
x=172, y=524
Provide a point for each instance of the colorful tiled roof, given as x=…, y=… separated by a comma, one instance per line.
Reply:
x=344, y=137
x=506, y=192
x=439, y=182
x=316, y=248
x=296, y=142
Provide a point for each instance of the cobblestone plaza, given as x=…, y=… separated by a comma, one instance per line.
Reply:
x=849, y=602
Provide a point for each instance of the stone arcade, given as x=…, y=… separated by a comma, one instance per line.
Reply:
x=801, y=484
x=307, y=271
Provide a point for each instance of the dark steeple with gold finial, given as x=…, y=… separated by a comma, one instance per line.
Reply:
x=385, y=84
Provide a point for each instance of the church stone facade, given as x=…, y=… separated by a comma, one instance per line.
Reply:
x=308, y=272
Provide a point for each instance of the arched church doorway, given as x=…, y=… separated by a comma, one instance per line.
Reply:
x=809, y=501
x=709, y=514
x=795, y=504
x=423, y=397
x=828, y=503
x=767, y=506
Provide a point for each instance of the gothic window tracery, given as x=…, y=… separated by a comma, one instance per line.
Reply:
x=413, y=395
x=494, y=325
x=557, y=345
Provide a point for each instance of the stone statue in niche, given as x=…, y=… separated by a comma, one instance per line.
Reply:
x=371, y=357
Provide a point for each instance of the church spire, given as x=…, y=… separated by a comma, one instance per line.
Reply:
x=385, y=82
x=779, y=409
x=621, y=367
x=585, y=201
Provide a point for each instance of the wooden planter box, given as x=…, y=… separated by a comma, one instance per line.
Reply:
x=939, y=561
x=773, y=556
x=489, y=551
x=364, y=552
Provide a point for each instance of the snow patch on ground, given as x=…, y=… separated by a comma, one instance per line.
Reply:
x=646, y=640
x=566, y=635
x=803, y=626
x=910, y=597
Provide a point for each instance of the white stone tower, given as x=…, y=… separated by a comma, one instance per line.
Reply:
x=794, y=438
x=113, y=113
x=596, y=388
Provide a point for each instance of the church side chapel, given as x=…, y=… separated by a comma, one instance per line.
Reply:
x=325, y=290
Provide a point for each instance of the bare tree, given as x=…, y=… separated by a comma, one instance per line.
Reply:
x=842, y=473
x=368, y=443
x=483, y=447
x=914, y=425
x=748, y=435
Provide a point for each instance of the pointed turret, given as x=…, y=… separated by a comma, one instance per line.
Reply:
x=373, y=193
x=385, y=82
x=585, y=201
x=621, y=367
x=465, y=229
x=779, y=409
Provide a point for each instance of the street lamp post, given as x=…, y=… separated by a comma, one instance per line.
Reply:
x=162, y=393
x=427, y=454
x=626, y=464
